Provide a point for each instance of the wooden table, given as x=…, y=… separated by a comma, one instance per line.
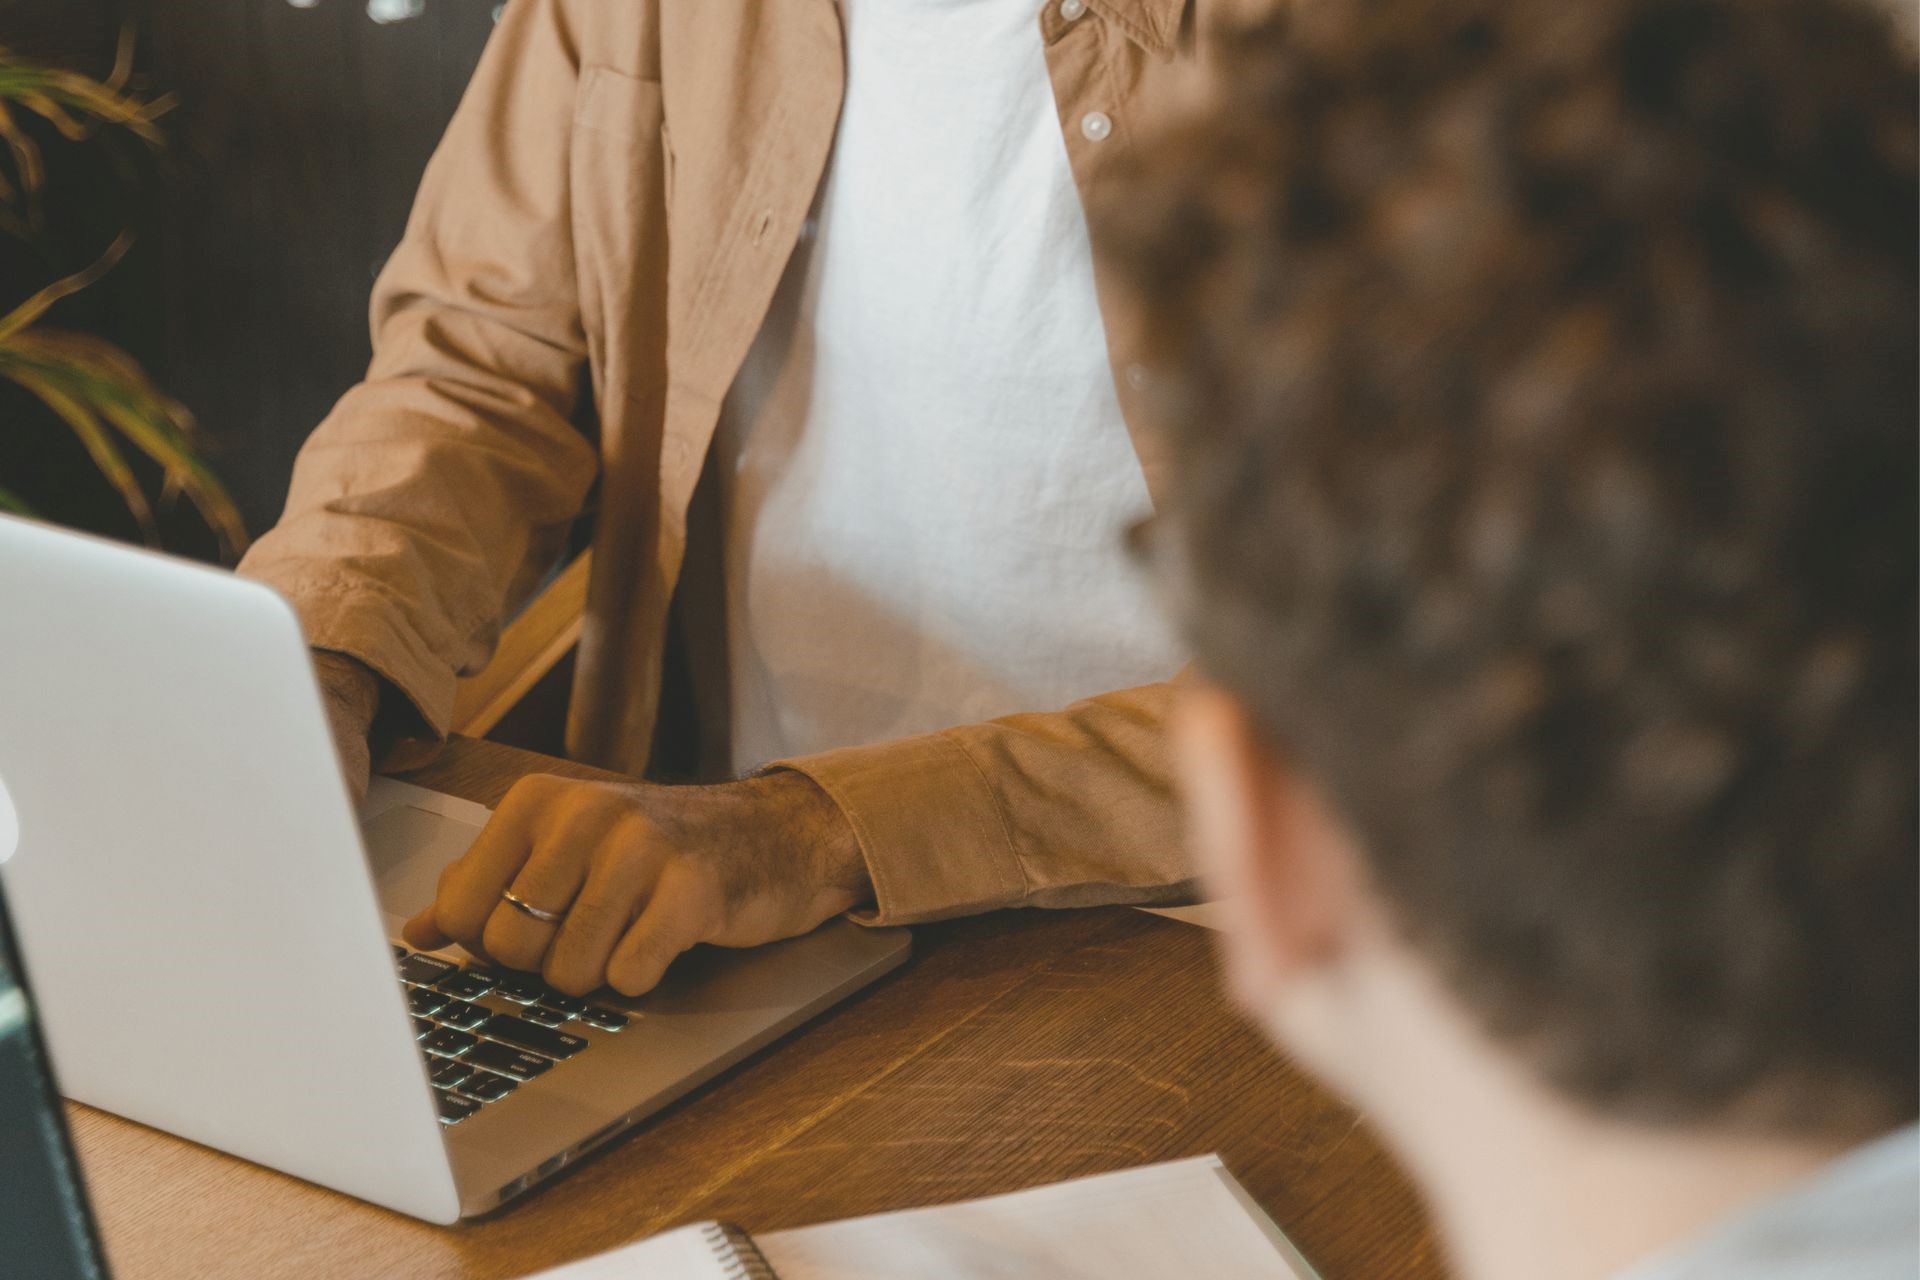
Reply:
x=1015, y=1048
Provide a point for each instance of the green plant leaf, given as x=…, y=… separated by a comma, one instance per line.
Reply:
x=13, y=504
x=26, y=158
x=79, y=98
x=75, y=105
x=83, y=377
x=36, y=306
x=161, y=429
x=93, y=435
x=101, y=394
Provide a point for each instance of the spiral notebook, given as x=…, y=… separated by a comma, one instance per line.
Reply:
x=705, y=1251
x=1162, y=1222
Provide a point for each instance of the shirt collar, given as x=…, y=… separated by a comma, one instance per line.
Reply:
x=1152, y=24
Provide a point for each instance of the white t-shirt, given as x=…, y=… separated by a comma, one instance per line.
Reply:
x=1858, y=1219
x=923, y=468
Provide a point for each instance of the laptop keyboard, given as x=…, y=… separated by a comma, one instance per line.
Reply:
x=486, y=1032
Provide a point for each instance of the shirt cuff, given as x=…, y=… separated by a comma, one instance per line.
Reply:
x=929, y=825
x=362, y=623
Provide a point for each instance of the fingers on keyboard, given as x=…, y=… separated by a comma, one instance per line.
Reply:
x=477, y=1053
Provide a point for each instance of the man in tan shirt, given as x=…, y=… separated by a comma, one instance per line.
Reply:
x=705, y=217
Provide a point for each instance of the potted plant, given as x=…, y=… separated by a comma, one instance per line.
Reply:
x=90, y=386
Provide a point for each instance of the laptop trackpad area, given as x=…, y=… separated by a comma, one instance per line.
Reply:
x=410, y=834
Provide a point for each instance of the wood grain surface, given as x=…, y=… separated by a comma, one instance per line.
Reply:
x=1015, y=1048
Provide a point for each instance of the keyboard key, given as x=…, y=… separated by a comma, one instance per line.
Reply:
x=547, y=1017
x=448, y=1043
x=605, y=1019
x=448, y=1072
x=507, y=1060
x=563, y=1004
x=518, y=988
x=422, y=1028
x=426, y=1003
x=482, y=1086
x=453, y=1108
x=463, y=1015
x=424, y=970
x=525, y=1035
x=466, y=984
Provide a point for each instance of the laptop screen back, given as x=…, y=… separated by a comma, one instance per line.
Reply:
x=43, y=1205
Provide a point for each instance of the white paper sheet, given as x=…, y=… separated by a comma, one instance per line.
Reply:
x=1171, y=1221
x=1205, y=914
x=686, y=1254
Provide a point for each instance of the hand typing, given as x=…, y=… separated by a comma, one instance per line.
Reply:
x=640, y=873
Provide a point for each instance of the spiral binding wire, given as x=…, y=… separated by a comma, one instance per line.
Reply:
x=737, y=1252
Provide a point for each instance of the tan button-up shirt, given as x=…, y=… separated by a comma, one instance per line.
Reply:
x=609, y=213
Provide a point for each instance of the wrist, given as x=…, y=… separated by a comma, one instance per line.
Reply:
x=836, y=866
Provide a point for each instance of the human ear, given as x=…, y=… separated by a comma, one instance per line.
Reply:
x=1269, y=845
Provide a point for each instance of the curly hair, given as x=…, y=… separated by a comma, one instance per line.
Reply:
x=1541, y=380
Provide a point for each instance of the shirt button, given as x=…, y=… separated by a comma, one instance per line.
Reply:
x=1072, y=10
x=1096, y=125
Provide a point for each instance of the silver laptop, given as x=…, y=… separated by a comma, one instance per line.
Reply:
x=211, y=926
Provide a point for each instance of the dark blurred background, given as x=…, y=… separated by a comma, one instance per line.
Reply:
x=292, y=159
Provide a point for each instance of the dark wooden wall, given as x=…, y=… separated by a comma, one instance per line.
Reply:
x=57, y=28
x=94, y=191
x=293, y=157
x=300, y=137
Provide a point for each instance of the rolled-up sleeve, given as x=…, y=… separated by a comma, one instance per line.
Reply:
x=1068, y=808
x=438, y=490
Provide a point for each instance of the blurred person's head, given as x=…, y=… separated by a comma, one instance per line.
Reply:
x=1541, y=384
